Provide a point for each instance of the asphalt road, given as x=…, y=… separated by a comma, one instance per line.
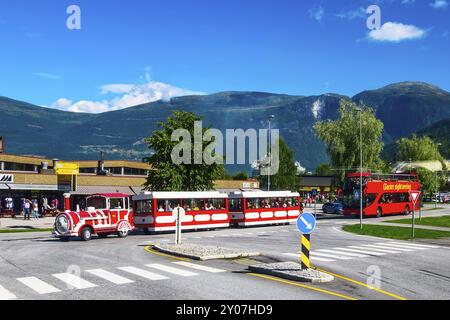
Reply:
x=37, y=266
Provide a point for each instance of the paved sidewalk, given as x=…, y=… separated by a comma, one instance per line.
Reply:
x=19, y=223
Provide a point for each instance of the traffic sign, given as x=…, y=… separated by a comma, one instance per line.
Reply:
x=178, y=212
x=306, y=223
x=414, y=196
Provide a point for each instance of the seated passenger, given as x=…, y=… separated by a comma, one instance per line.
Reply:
x=161, y=209
x=209, y=206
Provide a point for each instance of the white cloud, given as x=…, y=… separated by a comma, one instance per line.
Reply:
x=408, y=1
x=317, y=13
x=439, y=4
x=396, y=32
x=126, y=95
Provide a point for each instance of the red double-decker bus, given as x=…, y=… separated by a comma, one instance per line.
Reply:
x=383, y=194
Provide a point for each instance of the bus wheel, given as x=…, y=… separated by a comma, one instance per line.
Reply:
x=406, y=210
x=86, y=234
x=379, y=213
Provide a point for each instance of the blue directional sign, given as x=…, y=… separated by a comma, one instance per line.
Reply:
x=306, y=223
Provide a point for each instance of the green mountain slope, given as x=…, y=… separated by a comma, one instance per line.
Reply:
x=404, y=108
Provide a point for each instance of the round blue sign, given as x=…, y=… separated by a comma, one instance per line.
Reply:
x=306, y=223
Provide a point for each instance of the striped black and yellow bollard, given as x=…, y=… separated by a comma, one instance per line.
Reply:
x=306, y=247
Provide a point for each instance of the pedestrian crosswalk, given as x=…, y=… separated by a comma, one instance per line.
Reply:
x=375, y=249
x=54, y=283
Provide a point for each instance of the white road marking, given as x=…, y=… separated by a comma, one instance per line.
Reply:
x=74, y=281
x=363, y=250
x=326, y=255
x=394, y=247
x=380, y=248
x=173, y=270
x=404, y=246
x=198, y=267
x=38, y=285
x=297, y=255
x=143, y=273
x=343, y=253
x=6, y=295
x=416, y=245
x=111, y=277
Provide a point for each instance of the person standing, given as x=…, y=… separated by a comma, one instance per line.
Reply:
x=26, y=209
x=35, y=206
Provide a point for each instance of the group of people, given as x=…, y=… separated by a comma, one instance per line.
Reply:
x=168, y=207
x=28, y=206
x=265, y=203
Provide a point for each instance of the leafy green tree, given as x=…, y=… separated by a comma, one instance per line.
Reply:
x=240, y=176
x=286, y=178
x=324, y=169
x=428, y=180
x=168, y=176
x=343, y=139
x=417, y=149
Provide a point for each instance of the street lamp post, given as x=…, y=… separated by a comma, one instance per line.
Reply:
x=436, y=194
x=270, y=150
x=360, y=170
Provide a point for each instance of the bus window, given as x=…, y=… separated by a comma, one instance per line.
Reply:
x=368, y=199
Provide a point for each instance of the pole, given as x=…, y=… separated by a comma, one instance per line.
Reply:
x=306, y=247
x=436, y=181
x=270, y=153
x=413, y=218
x=360, y=172
x=178, y=232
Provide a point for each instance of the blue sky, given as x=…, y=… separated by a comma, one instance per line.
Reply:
x=128, y=52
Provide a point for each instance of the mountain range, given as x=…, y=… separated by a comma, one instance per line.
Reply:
x=404, y=108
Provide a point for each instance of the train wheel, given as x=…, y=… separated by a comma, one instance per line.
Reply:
x=86, y=234
x=123, y=233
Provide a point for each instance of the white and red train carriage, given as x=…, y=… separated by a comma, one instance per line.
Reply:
x=249, y=208
x=204, y=210
x=104, y=214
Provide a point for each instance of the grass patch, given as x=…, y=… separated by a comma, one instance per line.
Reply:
x=26, y=230
x=399, y=233
x=443, y=221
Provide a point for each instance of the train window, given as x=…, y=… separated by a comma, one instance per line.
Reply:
x=253, y=203
x=218, y=204
x=144, y=206
x=168, y=205
x=116, y=203
x=193, y=204
x=235, y=204
x=96, y=202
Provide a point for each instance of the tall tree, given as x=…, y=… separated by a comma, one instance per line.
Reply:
x=286, y=178
x=417, y=149
x=324, y=169
x=343, y=139
x=165, y=175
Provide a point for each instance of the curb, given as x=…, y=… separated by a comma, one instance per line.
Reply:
x=321, y=278
x=203, y=258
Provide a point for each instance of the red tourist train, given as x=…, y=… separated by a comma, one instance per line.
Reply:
x=204, y=210
x=263, y=207
x=104, y=214
x=383, y=194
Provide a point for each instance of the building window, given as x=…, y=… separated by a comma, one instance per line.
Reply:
x=13, y=166
x=134, y=172
x=114, y=170
x=87, y=170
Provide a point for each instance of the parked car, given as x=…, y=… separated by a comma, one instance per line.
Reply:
x=333, y=207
